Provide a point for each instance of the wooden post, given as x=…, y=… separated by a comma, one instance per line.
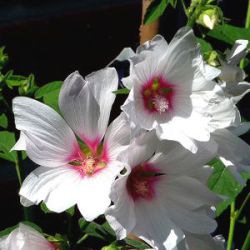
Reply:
x=147, y=31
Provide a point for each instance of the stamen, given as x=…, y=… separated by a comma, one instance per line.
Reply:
x=161, y=104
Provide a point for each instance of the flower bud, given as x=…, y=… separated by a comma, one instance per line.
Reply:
x=209, y=17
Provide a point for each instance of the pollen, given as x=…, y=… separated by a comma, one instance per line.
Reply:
x=161, y=104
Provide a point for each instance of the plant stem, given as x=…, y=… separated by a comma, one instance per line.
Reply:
x=242, y=206
x=246, y=244
x=247, y=26
x=18, y=172
x=184, y=7
x=84, y=237
x=247, y=23
x=232, y=225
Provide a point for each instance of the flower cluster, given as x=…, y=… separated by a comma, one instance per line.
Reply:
x=147, y=171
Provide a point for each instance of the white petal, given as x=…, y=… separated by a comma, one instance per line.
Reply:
x=224, y=115
x=186, y=192
x=95, y=190
x=57, y=187
x=158, y=45
x=20, y=144
x=194, y=242
x=140, y=150
x=25, y=238
x=237, y=92
x=232, y=148
x=80, y=109
x=238, y=52
x=124, y=55
x=191, y=221
x=211, y=72
x=243, y=128
x=117, y=137
x=163, y=133
x=121, y=216
x=176, y=160
x=102, y=83
x=154, y=225
x=49, y=140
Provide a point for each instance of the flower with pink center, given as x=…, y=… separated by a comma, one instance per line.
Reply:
x=172, y=92
x=26, y=238
x=73, y=171
x=163, y=194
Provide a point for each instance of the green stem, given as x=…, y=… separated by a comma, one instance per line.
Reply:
x=242, y=206
x=18, y=172
x=84, y=237
x=184, y=7
x=247, y=23
x=20, y=177
x=246, y=244
x=247, y=26
x=232, y=225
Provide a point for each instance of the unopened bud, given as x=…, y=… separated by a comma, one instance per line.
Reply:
x=209, y=18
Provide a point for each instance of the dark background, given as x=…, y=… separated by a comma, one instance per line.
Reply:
x=52, y=38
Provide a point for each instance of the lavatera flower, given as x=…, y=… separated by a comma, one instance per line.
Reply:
x=26, y=238
x=162, y=196
x=172, y=92
x=74, y=170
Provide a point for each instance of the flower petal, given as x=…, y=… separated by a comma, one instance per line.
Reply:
x=25, y=238
x=95, y=191
x=232, y=148
x=155, y=226
x=102, y=83
x=117, y=137
x=121, y=216
x=57, y=187
x=80, y=109
x=49, y=140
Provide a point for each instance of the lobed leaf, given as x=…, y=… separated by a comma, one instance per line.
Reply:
x=222, y=182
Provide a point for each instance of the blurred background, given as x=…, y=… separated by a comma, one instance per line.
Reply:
x=52, y=38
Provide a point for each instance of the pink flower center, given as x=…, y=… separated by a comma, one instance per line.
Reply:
x=158, y=95
x=141, y=182
x=89, y=162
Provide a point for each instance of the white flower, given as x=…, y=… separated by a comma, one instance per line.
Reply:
x=172, y=92
x=25, y=238
x=204, y=242
x=162, y=195
x=233, y=76
x=233, y=151
x=72, y=173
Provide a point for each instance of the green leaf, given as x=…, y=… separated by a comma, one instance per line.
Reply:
x=205, y=46
x=222, y=182
x=51, y=99
x=112, y=246
x=155, y=10
x=98, y=231
x=229, y=33
x=123, y=91
x=136, y=243
x=45, y=209
x=47, y=88
x=7, y=231
x=246, y=175
x=70, y=211
x=14, y=80
x=7, y=141
x=83, y=224
x=3, y=121
x=3, y=58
